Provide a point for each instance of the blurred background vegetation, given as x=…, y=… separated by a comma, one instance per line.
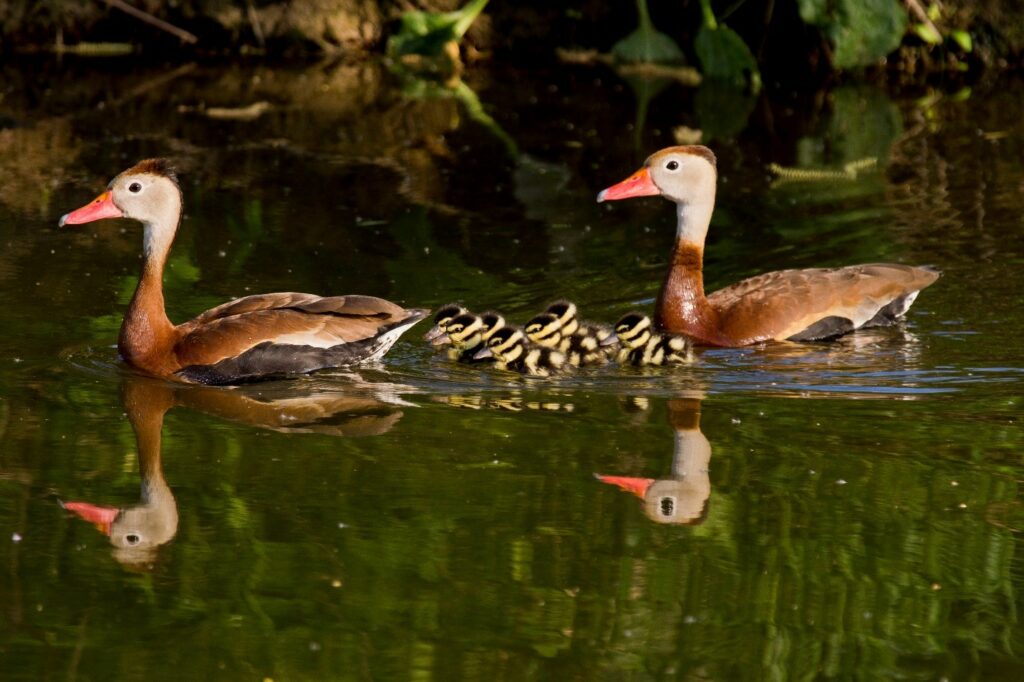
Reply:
x=786, y=40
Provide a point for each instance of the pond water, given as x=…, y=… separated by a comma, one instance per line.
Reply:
x=862, y=512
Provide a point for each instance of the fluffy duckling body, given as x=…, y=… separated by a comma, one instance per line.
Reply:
x=594, y=344
x=512, y=351
x=566, y=312
x=581, y=348
x=640, y=345
x=468, y=333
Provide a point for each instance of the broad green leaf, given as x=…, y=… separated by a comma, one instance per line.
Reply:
x=862, y=31
x=725, y=57
x=722, y=110
x=645, y=44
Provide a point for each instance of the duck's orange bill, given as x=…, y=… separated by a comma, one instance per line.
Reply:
x=637, y=486
x=97, y=209
x=638, y=184
x=101, y=517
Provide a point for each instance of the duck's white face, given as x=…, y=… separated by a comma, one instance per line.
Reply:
x=686, y=175
x=146, y=197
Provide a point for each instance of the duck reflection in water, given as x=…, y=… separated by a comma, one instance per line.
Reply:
x=681, y=498
x=137, y=531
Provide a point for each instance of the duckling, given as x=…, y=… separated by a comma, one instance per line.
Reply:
x=595, y=343
x=463, y=332
x=468, y=333
x=546, y=330
x=641, y=345
x=582, y=348
x=566, y=313
x=492, y=322
x=510, y=347
x=436, y=334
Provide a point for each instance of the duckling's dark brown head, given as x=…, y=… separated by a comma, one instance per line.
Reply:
x=507, y=344
x=633, y=329
x=492, y=322
x=464, y=329
x=545, y=330
x=565, y=311
x=445, y=315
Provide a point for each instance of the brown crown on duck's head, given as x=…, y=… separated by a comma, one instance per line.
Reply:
x=155, y=166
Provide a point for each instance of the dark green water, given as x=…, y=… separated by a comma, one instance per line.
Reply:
x=862, y=517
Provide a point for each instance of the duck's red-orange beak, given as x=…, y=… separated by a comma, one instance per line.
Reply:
x=637, y=486
x=100, y=207
x=638, y=184
x=101, y=517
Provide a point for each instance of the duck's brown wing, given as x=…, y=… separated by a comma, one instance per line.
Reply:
x=290, y=300
x=272, y=334
x=803, y=305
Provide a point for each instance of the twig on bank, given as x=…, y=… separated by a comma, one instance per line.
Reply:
x=153, y=21
x=915, y=8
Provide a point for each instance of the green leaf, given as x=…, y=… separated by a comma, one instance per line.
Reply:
x=814, y=12
x=963, y=39
x=426, y=33
x=927, y=33
x=722, y=110
x=725, y=57
x=862, y=31
x=645, y=44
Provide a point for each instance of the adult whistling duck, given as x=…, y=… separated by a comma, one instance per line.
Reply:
x=795, y=305
x=248, y=339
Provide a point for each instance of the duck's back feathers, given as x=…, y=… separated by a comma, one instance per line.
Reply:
x=285, y=333
x=818, y=302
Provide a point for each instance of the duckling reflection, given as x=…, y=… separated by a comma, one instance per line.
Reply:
x=137, y=531
x=682, y=498
x=511, y=402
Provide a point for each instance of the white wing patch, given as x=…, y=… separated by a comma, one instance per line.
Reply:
x=316, y=340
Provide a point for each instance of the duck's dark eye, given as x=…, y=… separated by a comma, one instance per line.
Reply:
x=672, y=165
x=135, y=188
x=132, y=539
